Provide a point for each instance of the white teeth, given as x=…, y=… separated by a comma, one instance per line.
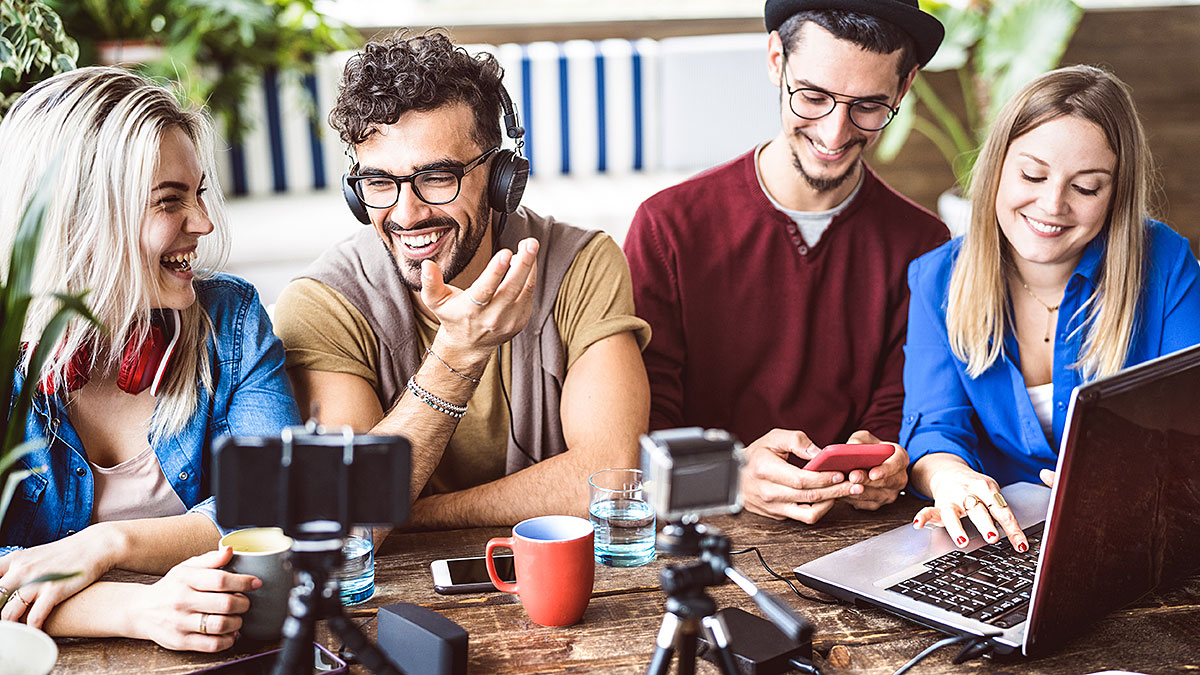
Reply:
x=1043, y=227
x=825, y=150
x=179, y=257
x=420, y=240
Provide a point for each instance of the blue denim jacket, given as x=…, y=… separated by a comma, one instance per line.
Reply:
x=251, y=396
x=989, y=420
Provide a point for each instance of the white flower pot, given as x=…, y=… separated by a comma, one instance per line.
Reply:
x=955, y=211
x=25, y=650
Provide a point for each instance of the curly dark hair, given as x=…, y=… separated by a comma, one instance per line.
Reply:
x=424, y=72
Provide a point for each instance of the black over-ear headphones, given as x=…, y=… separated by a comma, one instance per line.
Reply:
x=506, y=181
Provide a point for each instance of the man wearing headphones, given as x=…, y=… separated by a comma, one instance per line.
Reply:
x=501, y=343
x=775, y=284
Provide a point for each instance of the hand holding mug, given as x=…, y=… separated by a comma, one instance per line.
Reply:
x=262, y=552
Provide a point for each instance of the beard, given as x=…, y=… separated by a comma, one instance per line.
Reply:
x=826, y=184
x=465, y=246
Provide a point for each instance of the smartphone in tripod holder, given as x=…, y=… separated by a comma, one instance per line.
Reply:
x=315, y=486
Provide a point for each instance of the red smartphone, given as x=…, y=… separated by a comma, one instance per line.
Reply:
x=846, y=457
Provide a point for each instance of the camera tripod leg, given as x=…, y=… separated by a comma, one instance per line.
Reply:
x=299, y=628
x=718, y=631
x=664, y=646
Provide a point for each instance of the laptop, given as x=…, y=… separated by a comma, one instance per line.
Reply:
x=1123, y=518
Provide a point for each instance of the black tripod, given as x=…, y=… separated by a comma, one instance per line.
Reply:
x=689, y=607
x=316, y=551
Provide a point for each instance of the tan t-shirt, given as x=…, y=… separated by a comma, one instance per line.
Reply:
x=322, y=331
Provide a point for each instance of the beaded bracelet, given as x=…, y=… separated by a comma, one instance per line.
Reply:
x=442, y=406
x=468, y=378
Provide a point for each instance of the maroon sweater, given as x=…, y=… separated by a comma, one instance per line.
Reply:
x=753, y=330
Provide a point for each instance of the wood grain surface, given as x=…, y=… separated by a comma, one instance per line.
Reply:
x=1159, y=634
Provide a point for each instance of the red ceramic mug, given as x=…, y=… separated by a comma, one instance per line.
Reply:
x=554, y=566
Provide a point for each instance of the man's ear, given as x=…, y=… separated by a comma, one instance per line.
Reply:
x=775, y=59
x=907, y=84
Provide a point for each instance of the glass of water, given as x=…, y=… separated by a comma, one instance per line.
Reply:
x=623, y=519
x=356, y=576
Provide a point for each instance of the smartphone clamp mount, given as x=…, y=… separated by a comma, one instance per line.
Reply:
x=316, y=552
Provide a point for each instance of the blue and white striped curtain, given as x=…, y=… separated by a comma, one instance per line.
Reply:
x=604, y=107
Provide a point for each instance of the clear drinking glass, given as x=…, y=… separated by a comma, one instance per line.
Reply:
x=623, y=519
x=356, y=575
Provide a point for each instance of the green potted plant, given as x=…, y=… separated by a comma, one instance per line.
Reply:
x=15, y=297
x=994, y=47
x=33, y=46
x=214, y=48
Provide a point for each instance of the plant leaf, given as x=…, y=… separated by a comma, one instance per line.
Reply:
x=20, y=451
x=963, y=25
x=70, y=306
x=53, y=576
x=896, y=133
x=10, y=488
x=1023, y=40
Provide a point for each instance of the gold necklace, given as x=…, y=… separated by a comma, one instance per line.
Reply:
x=1049, y=310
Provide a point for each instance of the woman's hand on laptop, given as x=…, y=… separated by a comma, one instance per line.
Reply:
x=959, y=491
x=774, y=488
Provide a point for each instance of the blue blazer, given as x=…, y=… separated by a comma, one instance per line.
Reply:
x=989, y=420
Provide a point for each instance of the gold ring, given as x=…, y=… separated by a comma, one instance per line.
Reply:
x=967, y=507
x=17, y=594
x=4, y=594
x=203, y=624
x=998, y=500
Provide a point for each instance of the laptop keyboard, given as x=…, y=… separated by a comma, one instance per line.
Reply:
x=990, y=584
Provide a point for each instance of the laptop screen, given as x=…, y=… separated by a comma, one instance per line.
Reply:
x=1125, y=513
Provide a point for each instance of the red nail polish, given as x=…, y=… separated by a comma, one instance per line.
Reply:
x=991, y=535
x=962, y=541
x=1022, y=547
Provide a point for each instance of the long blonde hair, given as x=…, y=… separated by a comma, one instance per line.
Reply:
x=100, y=129
x=977, y=313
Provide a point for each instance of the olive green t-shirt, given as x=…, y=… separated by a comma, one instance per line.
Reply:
x=321, y=330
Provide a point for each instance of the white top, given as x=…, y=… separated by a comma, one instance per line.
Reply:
x=1042, y=397
x=812, y=224
x=135, y=488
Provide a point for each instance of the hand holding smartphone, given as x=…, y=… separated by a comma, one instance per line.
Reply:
x=846, y=457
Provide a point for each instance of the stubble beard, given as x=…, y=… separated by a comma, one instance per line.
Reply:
x=824, y=185
x=460, y=256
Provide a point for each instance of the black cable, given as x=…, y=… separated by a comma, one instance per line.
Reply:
x=804, y=666
x=973, y=643
x=511, y=432
x=770, y=571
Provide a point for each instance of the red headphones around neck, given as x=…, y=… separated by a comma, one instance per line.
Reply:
x=142, y=363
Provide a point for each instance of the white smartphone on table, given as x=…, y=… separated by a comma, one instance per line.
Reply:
x=469, y=575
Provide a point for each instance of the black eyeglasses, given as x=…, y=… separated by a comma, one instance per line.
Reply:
x=432, y=186
x=813, y=104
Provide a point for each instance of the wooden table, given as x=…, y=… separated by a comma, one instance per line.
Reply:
x=1159, y=634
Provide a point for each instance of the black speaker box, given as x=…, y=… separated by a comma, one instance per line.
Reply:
x=420, y=641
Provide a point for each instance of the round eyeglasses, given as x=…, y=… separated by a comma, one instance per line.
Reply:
x=432, y=186
x=813, y=104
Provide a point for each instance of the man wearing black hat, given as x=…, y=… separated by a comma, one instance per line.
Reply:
x=775, y=283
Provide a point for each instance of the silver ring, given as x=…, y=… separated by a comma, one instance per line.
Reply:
x=472, y=299
x=4, y=594
x=203, y=624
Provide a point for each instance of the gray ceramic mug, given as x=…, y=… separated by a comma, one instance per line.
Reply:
x=262, y=552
